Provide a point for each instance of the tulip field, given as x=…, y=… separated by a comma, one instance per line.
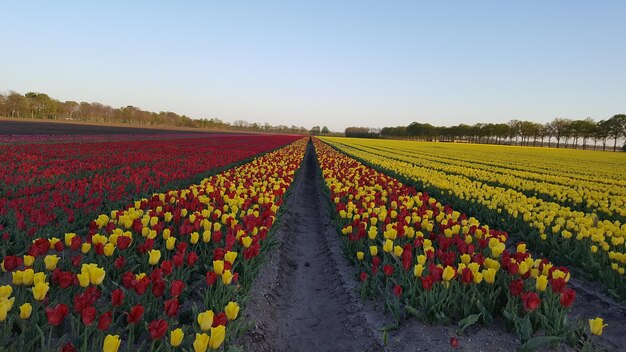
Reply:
x=153, y=242
x=569, y=205
x=131, y=273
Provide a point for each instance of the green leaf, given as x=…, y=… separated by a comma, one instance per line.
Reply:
x=467, y=322
x=539, y=341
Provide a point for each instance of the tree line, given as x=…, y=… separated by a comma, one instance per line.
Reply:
x=559, y=132
x=41, y=106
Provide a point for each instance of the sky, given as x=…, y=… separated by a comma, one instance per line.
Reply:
x=327, y=63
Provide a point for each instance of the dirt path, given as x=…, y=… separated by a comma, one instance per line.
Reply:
x=301, y=301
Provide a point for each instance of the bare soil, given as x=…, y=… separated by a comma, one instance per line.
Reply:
x=61, y=127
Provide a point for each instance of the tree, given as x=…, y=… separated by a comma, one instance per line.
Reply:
x=558, y=129
x=325, y=130
x=617, y=128
x=315, y=130
x=587, y=130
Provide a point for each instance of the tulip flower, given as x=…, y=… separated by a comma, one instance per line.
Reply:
x=218, y=266
x=218, y=334
x=448, y=273
x=541, y=283
x=111, y=343
x=56, y=314
x=5, y=291
x=26, y=310
x=170, y=243
x=105, y=320
x=232, y=310
x=88, y=315
x=135, y=314
x=157, y=329
x=489, y=275
x=40, y=290
x=201, y=343
x=51, y=261
x=117, y=297
x=360, y=255
x=596, y=325
x=176, y=337
x=230, y=257
x=227, y=277
x=205, y=320
x=29, y=260
x=154, y=256
x=246, y=241
x=373, y=251
x=531, y=301
x=567, y=297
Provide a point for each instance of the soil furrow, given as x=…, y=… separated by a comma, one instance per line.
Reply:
x=303, y=300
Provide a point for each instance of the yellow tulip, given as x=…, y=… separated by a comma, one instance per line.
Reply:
x=155, y=256
x=201, y=343
x=26, y=310
x=28, y=276
x=246, y=241
x=231, y=310
x=227, y=277
x=388, y=246
x=96, y=275
x=596, y=325
x=17, y=277
x=4, y=310
x=373, y=251
x=5, y=291
x=40, y=290
x=360, y=255
x=39, y=277
x=68, y=238
x=111, y=343
x=205, y=320
x=195, y=237
x=85, y=248
x=477, y=277
x=218, y=266
x=397, y=251
x=521, y=248
x=83, y=279
x=29, y=260
x=218, y=334
x=448, y=273
x=170, y=243
x=489, y=275
x=230, y=256
x=418, y=269
x=109, y=248
x=421, y=259
x=541, y=283
x=51, y=261
x=176, y=337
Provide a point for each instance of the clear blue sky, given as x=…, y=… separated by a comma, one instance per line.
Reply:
x=335, y=63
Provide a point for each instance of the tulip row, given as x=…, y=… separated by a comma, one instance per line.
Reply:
x=47, y=189
x=436, y=263
x=570, y=237
x=168, y=271
x=607, y=200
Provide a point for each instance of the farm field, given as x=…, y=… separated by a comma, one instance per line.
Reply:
x=568, y=205
x=227, y=242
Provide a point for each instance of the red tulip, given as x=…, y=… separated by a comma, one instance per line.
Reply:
x=454, y=342
x=192, y=258
x=105, y=320
x=531, y=301
x=516, y=287
x=363, y=276
x=88, y=315
x=57, y=314
x=119, y=262
x=177, y=288
x=158, y=288
x=68, y=347
x=157, y=329
x=427, y=282
x=397, y=291
x=557, y=285
x=467, y=276
x=567, y=297
x=211, y=277
x=220, y=319
x=135, y=314
x=171, y=307
x=117, y=297
x=387, y=269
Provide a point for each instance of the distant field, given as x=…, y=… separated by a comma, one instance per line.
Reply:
x=35, y=127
